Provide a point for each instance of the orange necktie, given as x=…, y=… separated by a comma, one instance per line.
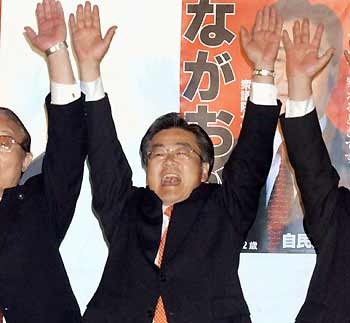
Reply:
x=280, y=201
x=159, y=314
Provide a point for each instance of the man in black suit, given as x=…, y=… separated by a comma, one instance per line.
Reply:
x=283, y=231
x=34, y=217
x=326, y=219
x=185, y=271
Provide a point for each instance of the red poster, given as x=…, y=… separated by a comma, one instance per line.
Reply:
x=215, y=83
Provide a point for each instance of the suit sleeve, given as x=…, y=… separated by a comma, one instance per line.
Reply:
x=63, y=163
x=110, y=172
x=316, y=177
x=246, y=170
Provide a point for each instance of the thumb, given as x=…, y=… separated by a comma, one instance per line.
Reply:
x=244, y=37
x=325, y=58
x=31, y=34
x=347, y=56
x=109, y=35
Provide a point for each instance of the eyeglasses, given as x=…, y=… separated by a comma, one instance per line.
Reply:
x=177, y=152
x=7, y=143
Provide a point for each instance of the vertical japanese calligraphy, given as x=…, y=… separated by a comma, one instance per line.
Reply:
x=208, y=74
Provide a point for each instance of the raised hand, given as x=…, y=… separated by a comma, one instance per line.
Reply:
x=303, y=62
x=302, y=58
x=89, y=45
x=261, y=46
x=51, y=25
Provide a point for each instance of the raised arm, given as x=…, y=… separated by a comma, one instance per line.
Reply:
x=109, y=169
x=247, y=168
x=262, y=43
x=52, y=32
x=65, y=152
x=316, y=178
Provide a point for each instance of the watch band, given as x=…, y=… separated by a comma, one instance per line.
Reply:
x=263, y=72
x=56, y=47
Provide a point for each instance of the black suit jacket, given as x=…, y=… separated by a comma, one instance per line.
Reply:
x=34, y=217
x=335, y=143
x=326, y=221
x=198, y=278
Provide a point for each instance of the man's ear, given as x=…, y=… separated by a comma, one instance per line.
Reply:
x=205, y=172
x=26, y=161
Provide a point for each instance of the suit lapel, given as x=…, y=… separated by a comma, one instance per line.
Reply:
x=183, y=217
x=8, y=213
x=149, y=226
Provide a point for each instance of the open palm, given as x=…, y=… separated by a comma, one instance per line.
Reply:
x=51, y=25
x=88, y=43
x=262, y=45
x=302, y=55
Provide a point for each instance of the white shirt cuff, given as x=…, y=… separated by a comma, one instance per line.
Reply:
x=93, y=91
x=263, y=94
x=295, y=109
x=62, y=94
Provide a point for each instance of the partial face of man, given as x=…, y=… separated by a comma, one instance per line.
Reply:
x=174, y=166
x=16, y=161
x=323, y=83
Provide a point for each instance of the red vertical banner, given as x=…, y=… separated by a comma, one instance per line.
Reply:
x=215, y=84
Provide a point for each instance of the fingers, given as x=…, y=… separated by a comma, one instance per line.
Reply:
x=266, y=18
x=296, y=33
x=272, y=20
x=109, y=36
x=96, y=18
x=47, y=9
x=31, y=34
x=305, y=31
x=245, y=37
x=325, y=58
x=85, y=17
x=52, y=6
x=72, y=24
x=59, y=10
x=301, y=34
x=316, y=41
x=87, y=14
x=80, y=16
x=258, y=22
x=347, y=56
x=279, y=24
x=287, y=43
x=40, y=15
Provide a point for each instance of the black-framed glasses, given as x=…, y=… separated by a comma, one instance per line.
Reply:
x=177, y=152
x=7, y=143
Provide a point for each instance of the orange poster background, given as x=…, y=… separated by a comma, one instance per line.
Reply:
x=229, y=96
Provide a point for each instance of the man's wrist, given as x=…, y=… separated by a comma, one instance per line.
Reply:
x=89, y=71
x=60, y=67
x=299, y=88
x=93, y=90
x=53, y=49
x=264, y=72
